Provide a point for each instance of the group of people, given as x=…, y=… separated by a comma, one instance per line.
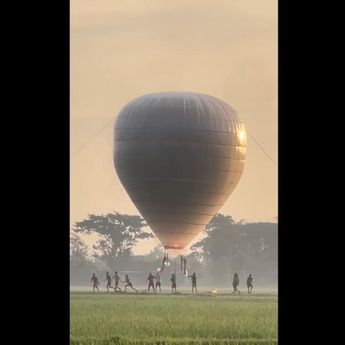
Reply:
x=236, y=283
x=173, y=283
x=151, y=282
x=157, y=277
x=108, y=279
x=152, y=285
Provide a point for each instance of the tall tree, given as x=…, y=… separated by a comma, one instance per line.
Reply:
x=118, y=234
x=230, y=247
x=77, y=247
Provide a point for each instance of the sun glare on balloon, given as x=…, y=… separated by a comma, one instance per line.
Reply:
x=242, y=135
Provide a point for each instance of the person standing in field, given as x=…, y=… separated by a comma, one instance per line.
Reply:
x=129, y=284
x=95, y=282
x=150, y=278
x=250, y=283
x=236, y=283
x=158, y=281
x=116, y=278
x=193, y=276
x=173, y=283
x=108, y=280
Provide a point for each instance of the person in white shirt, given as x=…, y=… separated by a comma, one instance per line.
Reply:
x=158, y=281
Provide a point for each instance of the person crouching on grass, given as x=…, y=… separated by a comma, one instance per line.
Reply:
x=129, y=284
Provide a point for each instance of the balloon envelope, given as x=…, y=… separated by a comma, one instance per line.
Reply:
x=179, y=155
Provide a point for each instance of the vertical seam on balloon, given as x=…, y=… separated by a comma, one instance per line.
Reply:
x=196, y=100
x=223, y=107
x=184, y=111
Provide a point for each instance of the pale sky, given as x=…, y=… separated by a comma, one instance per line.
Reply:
x=124, y=49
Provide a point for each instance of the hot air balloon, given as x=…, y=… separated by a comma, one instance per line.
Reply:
x=179, y=156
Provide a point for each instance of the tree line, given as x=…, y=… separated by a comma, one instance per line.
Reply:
x=227, y=247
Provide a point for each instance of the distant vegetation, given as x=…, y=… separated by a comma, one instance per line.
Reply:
x=227, y=247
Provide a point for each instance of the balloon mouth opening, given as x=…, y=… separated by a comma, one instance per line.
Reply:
x=173, y=247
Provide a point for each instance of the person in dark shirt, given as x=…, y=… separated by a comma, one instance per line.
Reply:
x=116, y=278
x=173, y=283
x=250, y=283
x=193, y=276
x=108, y=280
x=129, y=284
x=150, y=278
x=236, y=283
x=95, y=282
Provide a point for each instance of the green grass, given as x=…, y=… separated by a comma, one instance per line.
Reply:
x=99, y=319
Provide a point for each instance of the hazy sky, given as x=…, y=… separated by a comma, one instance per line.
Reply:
x=123, y=49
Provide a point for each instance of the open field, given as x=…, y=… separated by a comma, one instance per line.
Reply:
x=101, y=318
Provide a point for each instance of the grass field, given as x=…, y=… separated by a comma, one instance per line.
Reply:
x=103, y=318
